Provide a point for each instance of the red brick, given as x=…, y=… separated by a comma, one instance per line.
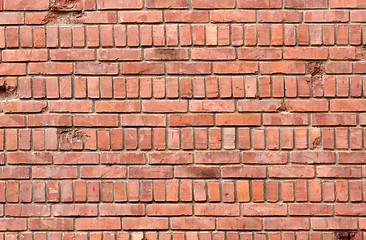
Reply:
x=140, y=17
x=346, y=209
x=185, y=223
x=310, y=4
x=103, y=172
x=27, y=210
x=333, y=119
x=235, y=67
x=170, y=158
x=286, y=224
x=97, y=18
x=24, y=107
x=143, y=120
x=191, y=120
x=96, y=120
x=311, y=209
x=50, y=68
x=72, y=55
x=326, y=16
x=259, y=105
x=117, y=106
x=169, y=210
x=358, y=16
x=188, y=68
x=279, y=16
x=305, y=53
x=265, y=158
x=259, y=4
x=156, y=54
x=55, y=224
x=239, y=224
x=217, y=209
x=49, y=120
x=150, y=172
x=145, y=223
x=347, y=4
x=196, y=172
x=179, y=4
x=76, y=158
x=338, y=67
x=25, y=5
x=218, y=157
x=313, y=157
x=213, y=54
x=186, y=16
x=213, y=4
x=238, y=120
x=14, y=172
x=10, y=18
x=68, y=210
x=29, y=158
x=55, y=172
x=343, y=53
x=119, y=55
x=122, y=158
x=260, y=53
x=339, y=172
x=260, y=209
x=122, y=210
x=334, y=223
x=85, y=224
x=212, y=106
x=291, y=171
x=243, y=172
x=142, y=68
x=110, y=4
x=359, y=67
x=40, y=55
x=12, y=69
x=166, y=106
x=96, y=68
x=284, y=119
x=70, y=106
x=225, y=16
x=306, y=105
x=13, y=224
x=351, y=157
x=282, y=67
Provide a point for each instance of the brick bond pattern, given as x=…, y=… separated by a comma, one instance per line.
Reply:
x=182, y=119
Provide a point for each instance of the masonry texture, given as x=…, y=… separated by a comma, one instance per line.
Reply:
x=182, y=119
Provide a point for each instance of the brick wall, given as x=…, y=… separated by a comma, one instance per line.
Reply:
x=182, y=119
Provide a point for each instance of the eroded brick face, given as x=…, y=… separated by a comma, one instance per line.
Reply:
x=182, y=119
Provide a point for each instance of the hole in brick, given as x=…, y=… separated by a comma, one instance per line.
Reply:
x=284, y=108
x=347, y=236
x=361, y=52
x=7, y=91
x=63, y=11
x=316, y=143
x=74, y=135
x=316, y=68
x=63, y=5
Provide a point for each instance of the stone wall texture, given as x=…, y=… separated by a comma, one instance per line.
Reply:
x=182, y=119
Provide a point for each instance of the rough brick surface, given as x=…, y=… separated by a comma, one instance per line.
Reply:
x=182, y=119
